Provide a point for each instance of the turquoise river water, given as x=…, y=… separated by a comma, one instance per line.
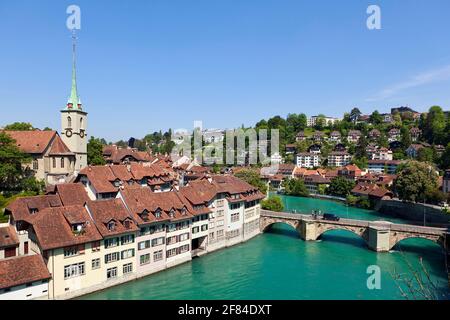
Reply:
x=279, y=265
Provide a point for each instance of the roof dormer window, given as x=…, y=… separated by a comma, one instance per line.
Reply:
x=183, y=212
x=78, y=228
x=144, y=215
x=111, y=225
x=158, y=213
x=172, y=213
x=33, y=210
x=127, y=224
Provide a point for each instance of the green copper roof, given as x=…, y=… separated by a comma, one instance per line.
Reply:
x=74, y=99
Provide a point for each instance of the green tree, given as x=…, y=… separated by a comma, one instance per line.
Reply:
x=95, y=152
x=415, y=180
x=376, y=118
x=405, y=137
x=434, y=126
x=15, y=175
x=425, y=155
x=295, y=187
x=340, y=187
x=274, y=203
x=19, y=126
x=252, y=177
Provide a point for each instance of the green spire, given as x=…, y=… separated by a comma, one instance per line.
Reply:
x=74, y=102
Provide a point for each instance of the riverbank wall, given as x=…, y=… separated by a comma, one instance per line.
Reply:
x=413, y=211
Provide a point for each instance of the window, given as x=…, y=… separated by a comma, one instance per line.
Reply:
x=74, y=270
x=95, y=246
x=158, y=241
x=172, y=213
x=220, y=213
x=69, y=122
x=184, y=248
x=211, y=236
x=111, y=257
x=204, y=227
x=73, y=251
x=127, y=254
x=127, y=268
x=158, y=214
x=10, y=252
x=235, y=217
x=171, y=240
x=219, y=233
x=95, y=263
x=211, y=225
x=235, y=206
x=157, y=255
x=183, y=237
x=220, y=223
x=183, y=211
x=81, y=123
x=127, y=239
x=54, y=162
x=144, y=259
x=144, y=245
x=111, y=225
x=194, y=229
x=111, y=273
x=62, y=162
x=112, y=242
x=35, y=164
x=171, y=253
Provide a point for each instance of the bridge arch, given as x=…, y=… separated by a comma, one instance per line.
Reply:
x=398, y=238
x=266, y=223
x=359, y=231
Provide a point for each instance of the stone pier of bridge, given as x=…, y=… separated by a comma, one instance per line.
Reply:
x=376, y=235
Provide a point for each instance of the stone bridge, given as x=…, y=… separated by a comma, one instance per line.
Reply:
x=380, y=236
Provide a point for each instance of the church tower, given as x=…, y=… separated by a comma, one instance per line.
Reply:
x=74, y=120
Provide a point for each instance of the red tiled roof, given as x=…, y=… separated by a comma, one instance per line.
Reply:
x=59, y=147
x=53, y=227
x=104, y=211
x=101, y=178
x=33, y=142
x=8, y=237
x=143, y=199
x=20, y=208
x=72, y=194
x=21, y=270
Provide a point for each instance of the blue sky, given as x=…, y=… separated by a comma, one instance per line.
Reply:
x=150, y=65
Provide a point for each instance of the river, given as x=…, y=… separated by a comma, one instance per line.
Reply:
x=279, y=265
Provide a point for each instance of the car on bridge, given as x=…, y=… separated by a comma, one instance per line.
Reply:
x=330, y=217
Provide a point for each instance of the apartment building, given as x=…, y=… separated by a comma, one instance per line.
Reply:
x=308, y=160
x=339, y=158
x=328, y=121
x=383, y=166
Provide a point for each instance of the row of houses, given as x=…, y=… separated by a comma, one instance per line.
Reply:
x=353, y=136
x=66, y=243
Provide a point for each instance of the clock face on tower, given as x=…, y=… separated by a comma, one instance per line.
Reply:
x=82, y=133
x=68, y=133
